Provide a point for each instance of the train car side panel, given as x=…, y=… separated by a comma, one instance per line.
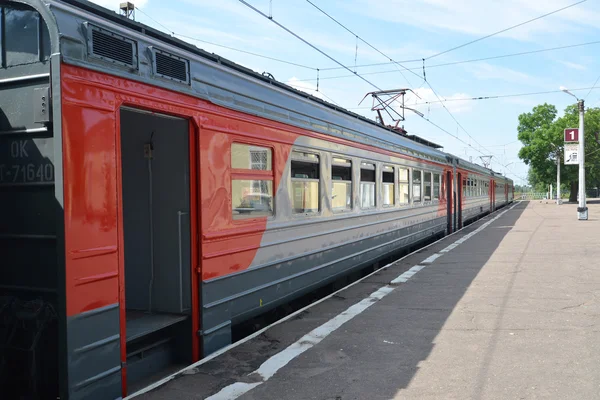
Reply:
x=91, y=241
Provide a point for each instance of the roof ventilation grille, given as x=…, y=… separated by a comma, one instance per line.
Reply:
x=171, y=67
x=112, y=47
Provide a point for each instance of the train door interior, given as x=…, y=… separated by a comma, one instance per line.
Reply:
x=448, y=201
x=491, y=194
x=460, y=196
x=157, y=247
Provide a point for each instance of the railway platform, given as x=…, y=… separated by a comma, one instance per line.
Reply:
x=507, y=308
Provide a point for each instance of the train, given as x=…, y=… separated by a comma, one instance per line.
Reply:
x=154, y=195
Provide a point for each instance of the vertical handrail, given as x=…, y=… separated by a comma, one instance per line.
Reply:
x=179, y=214
x=151, y=220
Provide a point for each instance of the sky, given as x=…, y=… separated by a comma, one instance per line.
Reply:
x=405, y=31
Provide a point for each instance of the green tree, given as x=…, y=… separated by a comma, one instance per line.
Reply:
x=541, y=133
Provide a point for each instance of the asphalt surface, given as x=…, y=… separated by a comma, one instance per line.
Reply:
x=511, y=313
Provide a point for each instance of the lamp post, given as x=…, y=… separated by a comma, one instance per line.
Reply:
x=558, y=155
x=582, y=210
x=558, y=199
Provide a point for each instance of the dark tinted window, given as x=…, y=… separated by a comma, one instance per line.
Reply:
x=23, y=42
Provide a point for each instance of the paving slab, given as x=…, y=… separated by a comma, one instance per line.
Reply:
x=513, y=312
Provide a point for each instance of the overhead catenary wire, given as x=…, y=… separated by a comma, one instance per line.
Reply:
x=400, y=65
x=357, y=37
x=362, y=65
x=339, y=63
x=315, y=48
x=588, y=93
x=522, y=53
x=490, y=97
x=305, y=88
x=424, y=71
x=447, y=64
x=247, y=52
x=305, y=41
x=505, y=30
x=173, y=33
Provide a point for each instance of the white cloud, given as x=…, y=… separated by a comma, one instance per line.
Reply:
x=479, y=18
x=485, y=71
x=455, y=103
x=573, y=65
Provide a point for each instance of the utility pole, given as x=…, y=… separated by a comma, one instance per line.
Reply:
x=582, y=210
x=558, y=199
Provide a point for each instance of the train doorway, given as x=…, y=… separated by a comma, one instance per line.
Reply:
x=460, y=196
x=449, y=201
x=491, y=194
x=155, y=172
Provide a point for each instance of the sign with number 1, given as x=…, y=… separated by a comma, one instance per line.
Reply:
x=572, y=135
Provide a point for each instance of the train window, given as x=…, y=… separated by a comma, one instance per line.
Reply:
x=387, y=179
x=341, y=184
x=244, y=156
x=436, y=186
x=305, y=183
x=404, y=185
x=252, y=181
x=464, y=185
x=416, y=185
x=22, y=39
x=367, y=185
x=427, y=186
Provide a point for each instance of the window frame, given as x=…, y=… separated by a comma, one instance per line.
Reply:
x=349, y=160
x=412, y=182
x=319, y=181
x=425, y=185
x=436, y=196
x=252, y=175
x=392, y=183
x=373, y=183
x=404, y=182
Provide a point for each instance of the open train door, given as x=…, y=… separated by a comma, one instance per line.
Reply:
x=491, y=194
x=459, y=200
x=449, y=200
x=157, y=212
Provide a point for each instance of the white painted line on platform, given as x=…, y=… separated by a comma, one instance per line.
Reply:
x=281, y=359
x=431, y=258
x=451, y=247
x=237, y=389
x=408, y=274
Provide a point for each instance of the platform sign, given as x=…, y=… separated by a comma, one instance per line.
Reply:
x=571, y=153
x=572, y=135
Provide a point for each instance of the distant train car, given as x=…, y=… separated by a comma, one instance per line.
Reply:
x=155, y=195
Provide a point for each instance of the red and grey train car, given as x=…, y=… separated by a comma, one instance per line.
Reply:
x=154, y=195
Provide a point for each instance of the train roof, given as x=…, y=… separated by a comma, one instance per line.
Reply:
x=207, y=76
x=211, y=77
